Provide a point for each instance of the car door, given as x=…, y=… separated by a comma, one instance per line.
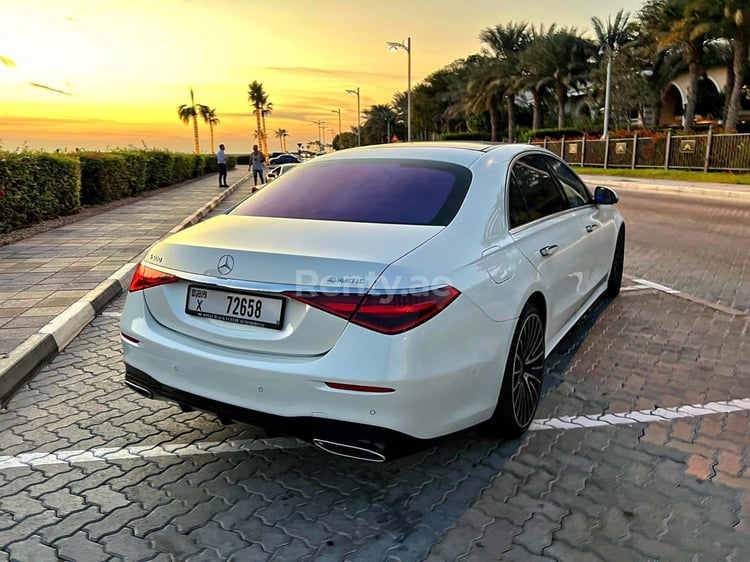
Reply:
x=598, y=224
x=549, y=236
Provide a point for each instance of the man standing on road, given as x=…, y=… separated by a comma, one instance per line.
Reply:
x=257, y=165
x=221, y=158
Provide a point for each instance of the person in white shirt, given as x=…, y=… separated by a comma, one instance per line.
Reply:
x=221, y=158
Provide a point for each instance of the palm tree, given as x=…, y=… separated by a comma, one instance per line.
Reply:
x=281, y=134
x=559, y=61
x=188, y=112
x=209, y=116
x=505, y=43
x=378, y=123
x=257, y=98
x=736, y=25
x=685, y=26
x=532, y=76
x=613, y=36
x=484, y=90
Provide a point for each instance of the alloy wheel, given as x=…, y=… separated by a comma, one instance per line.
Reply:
x=528, y=367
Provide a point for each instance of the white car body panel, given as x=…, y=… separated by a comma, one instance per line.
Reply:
x=446, y=373
x=456, y=380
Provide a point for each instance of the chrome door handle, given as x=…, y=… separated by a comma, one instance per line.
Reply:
x=591, y=227
x=548, y=250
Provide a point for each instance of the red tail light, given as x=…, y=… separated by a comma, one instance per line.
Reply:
x=391, y=313
x=145, y=277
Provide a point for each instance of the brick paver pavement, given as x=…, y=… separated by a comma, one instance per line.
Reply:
x=43, y=275
x=149, y=482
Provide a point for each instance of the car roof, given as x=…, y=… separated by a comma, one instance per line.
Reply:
x=459, y=152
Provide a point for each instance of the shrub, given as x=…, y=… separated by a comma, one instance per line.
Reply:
x=476, y=136
x=104, y=178
x=135, y=161
x=556, y=134
x=36, y=187
x=159, y=165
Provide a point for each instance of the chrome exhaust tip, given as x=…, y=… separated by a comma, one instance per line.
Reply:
x=349, y=451
x=143, y=391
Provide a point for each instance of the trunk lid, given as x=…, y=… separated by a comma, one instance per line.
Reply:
x=237, y=261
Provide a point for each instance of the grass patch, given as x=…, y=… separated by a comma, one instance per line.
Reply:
x=660, y=174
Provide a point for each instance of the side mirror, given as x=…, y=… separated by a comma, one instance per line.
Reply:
x=605, y=196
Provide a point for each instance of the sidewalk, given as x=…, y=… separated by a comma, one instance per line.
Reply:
x=53, y=284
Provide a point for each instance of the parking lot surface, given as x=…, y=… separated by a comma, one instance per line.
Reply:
x=640, y=450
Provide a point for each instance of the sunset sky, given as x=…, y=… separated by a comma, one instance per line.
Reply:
x=106, y=74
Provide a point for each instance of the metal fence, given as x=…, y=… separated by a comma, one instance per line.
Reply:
x=717, y=152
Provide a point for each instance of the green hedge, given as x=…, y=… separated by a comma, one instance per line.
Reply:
x=478, y=136
x=36, y=187
x=541, y=134
x=104, y=178
x=136, y=162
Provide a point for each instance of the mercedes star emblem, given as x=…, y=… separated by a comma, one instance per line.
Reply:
x=226, y=264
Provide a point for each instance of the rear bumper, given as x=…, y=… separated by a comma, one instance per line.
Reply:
x=304, y=427
x=445, y=376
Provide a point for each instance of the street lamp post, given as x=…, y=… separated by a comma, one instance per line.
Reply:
x=608, y=93
x=393, y=46
x=320, y=126
x=359, y=129
x=339, y=112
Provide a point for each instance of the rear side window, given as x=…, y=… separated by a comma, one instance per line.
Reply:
x=538, y=188
x=420, y=192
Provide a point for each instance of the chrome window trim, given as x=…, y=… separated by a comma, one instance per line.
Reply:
x=512, y=163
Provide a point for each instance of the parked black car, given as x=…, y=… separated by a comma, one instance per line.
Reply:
x=283, y=159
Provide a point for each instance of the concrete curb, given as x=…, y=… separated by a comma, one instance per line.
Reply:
x=666, y=188
x=26, y=360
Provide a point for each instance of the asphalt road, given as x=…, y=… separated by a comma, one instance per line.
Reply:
x=699, y=245
x=621, y=464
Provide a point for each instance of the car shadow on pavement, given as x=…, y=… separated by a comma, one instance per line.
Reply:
x=414, y=499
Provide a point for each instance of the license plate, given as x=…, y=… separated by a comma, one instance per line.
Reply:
x=237, y=308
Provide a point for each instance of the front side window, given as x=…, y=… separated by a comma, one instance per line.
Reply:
x=419, y=192
x=574, y=189
x=517, y=213
x=538, y=188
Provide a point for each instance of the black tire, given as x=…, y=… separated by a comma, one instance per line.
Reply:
x=614, y=281
x=522, y=381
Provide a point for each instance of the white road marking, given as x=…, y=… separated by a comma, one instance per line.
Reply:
x=143, y=452
x=657, y=286
x=234, y=446
x=112, y=314
x=642, y=416
x=635, y=288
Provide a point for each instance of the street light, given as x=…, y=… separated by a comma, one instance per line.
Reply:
x=359, y=129
x=608, y=92
x=339, y=112
x=393, y=46
x=320, y=126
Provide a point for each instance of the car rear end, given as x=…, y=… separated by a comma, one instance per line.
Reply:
x=269, y=314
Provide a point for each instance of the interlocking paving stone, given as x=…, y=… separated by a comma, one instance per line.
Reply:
x=31, y=550
x=669, y=490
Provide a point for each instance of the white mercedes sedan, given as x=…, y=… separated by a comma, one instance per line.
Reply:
x=377, y=296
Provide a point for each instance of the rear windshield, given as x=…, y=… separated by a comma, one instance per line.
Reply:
x=421, y=192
